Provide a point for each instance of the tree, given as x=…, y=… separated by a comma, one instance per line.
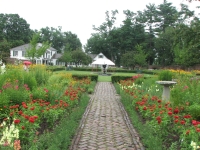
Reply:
x=187, y=44
x=167, y=15
x=127, y=60
x=104, y=31
x=66, y=57
x=79, y=57
x=60, y=40
x=72, y=40
x=134, y=58
x=14, y=28
x=150, y=16
x=164, y=47
x=4, y=49
x=35, y=50
x=140, y=56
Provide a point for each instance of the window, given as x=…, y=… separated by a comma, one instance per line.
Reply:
x=15, y=53
x=39, y=62
x=100, y=56
x=23, y=53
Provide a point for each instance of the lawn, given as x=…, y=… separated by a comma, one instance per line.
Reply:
x=104, y=78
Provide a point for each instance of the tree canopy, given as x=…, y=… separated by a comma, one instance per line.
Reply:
x=168, y=36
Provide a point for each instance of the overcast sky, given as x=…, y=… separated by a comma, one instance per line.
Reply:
x=76, y=16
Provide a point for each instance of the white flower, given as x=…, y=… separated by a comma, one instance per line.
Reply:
x=9, y=134
x=194, y=145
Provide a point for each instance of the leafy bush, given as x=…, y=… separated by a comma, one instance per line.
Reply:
x=17, y=94
x=30, y=80
x=165, y=75
x=194, y=110
x=139, y=81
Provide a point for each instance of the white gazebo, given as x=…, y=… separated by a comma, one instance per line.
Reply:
x=103, y=62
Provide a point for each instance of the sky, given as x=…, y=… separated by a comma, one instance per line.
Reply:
x=77, y=16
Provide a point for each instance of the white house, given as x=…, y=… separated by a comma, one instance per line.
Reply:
x=49, y=57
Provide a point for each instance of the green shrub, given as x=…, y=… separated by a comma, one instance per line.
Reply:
x=165, y=75
x=139, y=81
x=90, y=90
x=194, y=110
x=116, y=78
x=17, y=95
x=30, y=80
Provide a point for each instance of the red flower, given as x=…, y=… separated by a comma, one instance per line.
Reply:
x=182, y=122
x=176, y=121
x=170, y=113
x=12, y=113
x=24, y=105
x=194, y=122
x=187, y=116
x=188, y=131
x=159, y=101
x=35, y=117
x=159, y=121
x=198, y=129
x=176, y=117
x=16, y=121
x=169, y=108
x=20, y=112
x=158, y=118
x=26, y=116
x=23, y=127
x=31, y=119
x=32, y=108
x=176, y=111
x=144, y=108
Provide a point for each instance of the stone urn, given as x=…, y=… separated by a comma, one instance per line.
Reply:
x=166, y=89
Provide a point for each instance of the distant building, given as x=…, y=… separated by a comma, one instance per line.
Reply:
x=49, y=57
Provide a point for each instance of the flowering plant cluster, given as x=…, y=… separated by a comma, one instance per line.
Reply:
x=24, y=118
x=165, y=117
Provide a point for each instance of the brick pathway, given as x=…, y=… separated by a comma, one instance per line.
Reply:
x=105, y=124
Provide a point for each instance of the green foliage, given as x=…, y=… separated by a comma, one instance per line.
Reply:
x=194, y=110
x=30, y=80
x=78, y=56
x=40, y=74
x=36, y=50
x=139, y=81
x=90, y=90
x=17, y=94
x=4, y=49
x=93, y=77
x=67, y=40
x=116, y=78
x=13, y=28
x=66, y=57
x=39, y=93
x=134, y=58
x=147, y=134
x=61, y=138
x=13, y=75
x=165, y=75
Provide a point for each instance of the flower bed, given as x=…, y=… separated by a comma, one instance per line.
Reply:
x=176, y=122
x=32, y=103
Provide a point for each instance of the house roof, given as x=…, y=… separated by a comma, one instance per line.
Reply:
x=56, y=56
x=21, y=48
x=92, y=55
x=26, y=46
